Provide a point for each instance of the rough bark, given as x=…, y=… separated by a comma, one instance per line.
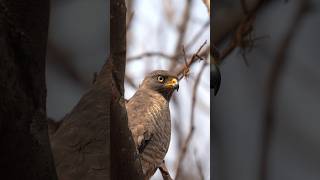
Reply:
x=24, y=144
x=81, y=145
x=93, y=141
x=124, y=164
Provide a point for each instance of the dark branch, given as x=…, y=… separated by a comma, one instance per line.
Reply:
x=150, y=54
x=273, y=84
x=243, y=30
x=191, y=130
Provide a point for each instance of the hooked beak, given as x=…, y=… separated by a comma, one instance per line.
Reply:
x=172, y=84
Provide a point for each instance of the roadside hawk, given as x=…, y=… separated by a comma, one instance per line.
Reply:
x=149, y=119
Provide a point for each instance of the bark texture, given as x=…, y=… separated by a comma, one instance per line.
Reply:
x=24, y=144
x=93, y=141
x=124, y=164
x=81, y=145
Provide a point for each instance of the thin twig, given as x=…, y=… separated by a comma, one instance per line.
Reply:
x=197, y=35
x=164, y=171
x=191, y=130
x=182, y=27
x=273, y=84
x=130, y=82
x=187, y=71
x=150, y=54
x=220, y=36
x=178, y=129
x=243, y=28
x=196, y=56
x=171, y=57
x=199, y=167
x=184, y=56
x=242, y=31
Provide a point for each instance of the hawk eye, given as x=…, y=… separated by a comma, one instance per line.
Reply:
x=160, y=78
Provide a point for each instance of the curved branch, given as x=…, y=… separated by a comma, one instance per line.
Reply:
x=273, y=84
x=191, y=130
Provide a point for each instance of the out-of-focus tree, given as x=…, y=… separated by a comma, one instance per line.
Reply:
x=24, y=144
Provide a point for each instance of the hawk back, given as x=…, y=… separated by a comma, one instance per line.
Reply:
x=150, y=123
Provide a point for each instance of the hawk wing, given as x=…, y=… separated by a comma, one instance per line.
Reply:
x=140, y=130
x=149, y=123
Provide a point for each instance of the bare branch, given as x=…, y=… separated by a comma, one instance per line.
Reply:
x=242, y=31
x=130, y=82
x=164, y=171
x=199, y=167
x=182, y=30
x=184, y=56
x=228, y=25
x=171, y=57
x=185, y=69
x=207, y=4
x=273, y=84
x=191, y=130
x=150, y=54
x=86, y=136
x=198, y=35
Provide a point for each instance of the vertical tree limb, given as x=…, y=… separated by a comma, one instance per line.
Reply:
x=93, y=141
x=124, y=164
x=191, y=130
x=182, y=28
x=25, y=149
x=272, y=86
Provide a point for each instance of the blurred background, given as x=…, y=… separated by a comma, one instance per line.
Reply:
x=238, y=112
x=157, y=31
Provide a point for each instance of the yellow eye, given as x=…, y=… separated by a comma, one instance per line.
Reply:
x=160, y=78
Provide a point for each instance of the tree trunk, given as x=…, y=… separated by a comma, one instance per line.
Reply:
x=93, y=142
x=124, y=164
x=24, y=143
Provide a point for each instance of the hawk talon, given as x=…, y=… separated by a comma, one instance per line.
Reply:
x=164, y=171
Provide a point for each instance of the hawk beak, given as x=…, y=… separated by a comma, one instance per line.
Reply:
x=172, y=84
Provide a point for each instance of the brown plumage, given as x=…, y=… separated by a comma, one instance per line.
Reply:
x=149, y=118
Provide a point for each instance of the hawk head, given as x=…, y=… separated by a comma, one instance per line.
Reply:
x=161, y=81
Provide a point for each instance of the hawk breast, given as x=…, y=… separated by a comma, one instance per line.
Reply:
x=148, y=111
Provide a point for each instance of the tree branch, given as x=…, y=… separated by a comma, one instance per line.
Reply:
x=25, y=149
x=150, y=54
x=184, y=71
x=243, y=29
x=273, y=84
x=182, y=30
x=94, y=141
x=191, y=130
x=123, y=148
